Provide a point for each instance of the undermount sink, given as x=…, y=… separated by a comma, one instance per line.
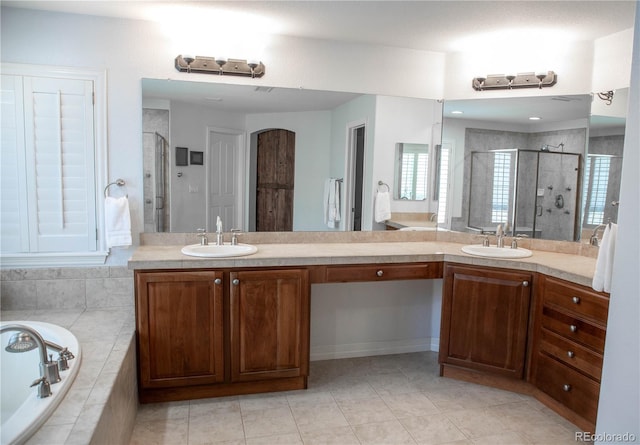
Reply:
x=219, y=251
x=496, y=252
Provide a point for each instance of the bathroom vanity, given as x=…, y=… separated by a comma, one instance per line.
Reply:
x=220, y=327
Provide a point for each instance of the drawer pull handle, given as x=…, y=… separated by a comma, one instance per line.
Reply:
x=236, y=281
x=525, y=284
x=571, y=354
x=380, y=273
x=566, y=387
x=217, y=281
x=573, y=328
x=576, y=300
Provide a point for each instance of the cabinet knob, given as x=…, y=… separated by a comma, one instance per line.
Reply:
x=525, y=283
x=235, y=281
x=217, y=281
x=571, y=354
x=576, y=300
x=380, y=273
x=566, y=387
x=573, y=328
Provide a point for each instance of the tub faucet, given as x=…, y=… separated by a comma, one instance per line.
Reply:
x=27, y=339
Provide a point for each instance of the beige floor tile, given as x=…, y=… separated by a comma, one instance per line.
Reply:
x=214, y=406
x=362, y=411
x=277, y=421
x=390, y=432
x=478, y=422
x=433, y=430
x=215, y=427
x=306, y=397
x=162, y=411
x=353, y=390
x=278, y=439
x=412, y=404
x=324, y=416
x=385, y=384
x=508, y=438
x=260, y=402
x=334, y=436
x=162, y=432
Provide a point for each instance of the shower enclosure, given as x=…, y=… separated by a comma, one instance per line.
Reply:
x=534, y=192
x=156, y=165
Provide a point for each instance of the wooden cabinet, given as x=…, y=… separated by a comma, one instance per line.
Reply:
x=213, y=333
x=382, y=272
x=269, y=324
x=568, y=347
x=484, y=322
x=180, y=328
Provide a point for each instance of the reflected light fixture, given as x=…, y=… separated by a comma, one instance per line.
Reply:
x=219, y=65
x=520, y=80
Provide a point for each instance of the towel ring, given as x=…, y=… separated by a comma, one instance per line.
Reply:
x=119, y=182
x=380, y=184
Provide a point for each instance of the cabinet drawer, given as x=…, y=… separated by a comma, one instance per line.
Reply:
x=569, y=387
x=576, y=299
x=571, y=353
x=383, y=272
x=574, y=329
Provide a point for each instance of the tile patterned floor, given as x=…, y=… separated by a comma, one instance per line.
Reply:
x=393, y=399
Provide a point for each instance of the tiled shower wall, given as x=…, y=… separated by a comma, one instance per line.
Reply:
x=66, y=288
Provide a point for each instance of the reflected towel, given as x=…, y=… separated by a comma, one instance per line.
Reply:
x=117, y=221
x=383, y=207
x=331, y=202
x=604, y=263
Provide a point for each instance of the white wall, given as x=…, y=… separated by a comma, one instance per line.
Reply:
x=619, y=409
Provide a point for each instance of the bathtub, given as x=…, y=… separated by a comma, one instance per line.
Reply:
x=22, y=412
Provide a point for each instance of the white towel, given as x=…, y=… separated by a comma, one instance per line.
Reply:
x=383, y=206
x=117, y=221
x=604, y=263
x=331, y=202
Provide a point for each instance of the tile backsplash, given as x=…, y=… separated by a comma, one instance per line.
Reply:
x=66, y=288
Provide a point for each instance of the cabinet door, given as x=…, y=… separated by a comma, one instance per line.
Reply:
x=180, y=328
x=484, y=319
x=269, y=324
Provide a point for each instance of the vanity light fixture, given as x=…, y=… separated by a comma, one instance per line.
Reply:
x=219, y=65
x=520, y=80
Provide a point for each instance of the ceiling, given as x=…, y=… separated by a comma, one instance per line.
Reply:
x=425, y=25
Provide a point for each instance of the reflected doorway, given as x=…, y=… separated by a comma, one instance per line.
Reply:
x=356, y=178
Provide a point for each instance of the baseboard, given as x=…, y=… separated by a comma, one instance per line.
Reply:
x=350, y=350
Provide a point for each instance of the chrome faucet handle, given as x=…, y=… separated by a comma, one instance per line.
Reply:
x=514, y=242
x=44, y=388
x=202, y=234
x=234, y=236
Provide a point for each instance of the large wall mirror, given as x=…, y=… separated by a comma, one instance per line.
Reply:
x=547, y=167
x=312, y=137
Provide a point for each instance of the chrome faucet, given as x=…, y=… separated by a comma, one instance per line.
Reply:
x=594, y=236
x=219, y=232
x=500, y=236
x=202, y=234
x=27, y=339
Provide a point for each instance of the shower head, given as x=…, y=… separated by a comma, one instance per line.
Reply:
x=21, y=341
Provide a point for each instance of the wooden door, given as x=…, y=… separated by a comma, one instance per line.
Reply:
x=269, y=324
x=485, y=319
x=180, y=328
x=275, y=169
x=222, y=191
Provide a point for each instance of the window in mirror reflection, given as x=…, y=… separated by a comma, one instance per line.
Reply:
x=595, y=188
x=442, y=180
x=412, y=164
x=501, y=186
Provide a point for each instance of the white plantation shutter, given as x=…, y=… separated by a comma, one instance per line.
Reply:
x=58, y=168
x=14, y=232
